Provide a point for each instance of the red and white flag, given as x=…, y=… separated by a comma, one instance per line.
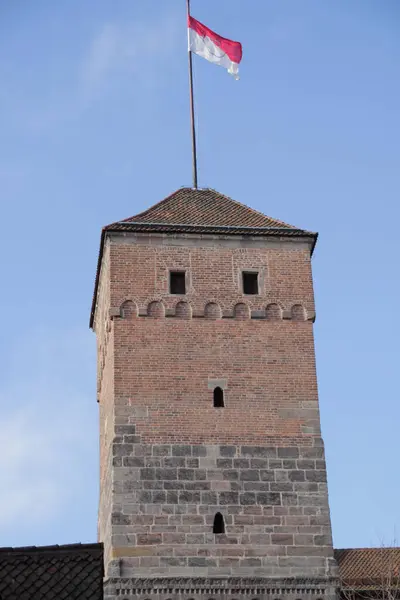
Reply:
x=214, y=48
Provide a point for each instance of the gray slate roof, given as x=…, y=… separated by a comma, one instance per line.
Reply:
x=73, y=572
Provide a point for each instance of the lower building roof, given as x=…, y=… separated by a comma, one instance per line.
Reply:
x=369, y=568
x=72, y=572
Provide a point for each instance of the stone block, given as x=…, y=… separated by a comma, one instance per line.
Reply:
x=163, y=450
x=195, y=539
x=285, y=486
x=166, y=474
x=146, y=485
x=312, y=500
x=147, y=539
x=302, y=539
x=289, y=499
x=282, y=539
x=170, y=561
x=174, y=485
x=316, y=475
x=259, y=463
x=296, y=475
x=199, y=451
x=202, y=485
x=306, y=464
x=224, y=463
x=201, y=561
x=122, y=449
x=140, y=450
x=175, y=461
x=133, y=461
x=297, y=521
x=158, y=497
x=200, y=474
x=220, y=486
x=173, y=538
x=118, y=518
x=147, y=473
x=244, y=519
x=125, y=429
x=130, y=439
x=269, y=521
x=258, y=452
x=152, y=462
x=256, y=486
x=144, y=497
x=288, y=452
x=289, y=463
x=149, y=561
x=311, y=452
x=228, y=561
x=265, y=550
x=247, y=498
x=226, y=539
x=309, y=551
x=306, y=486
x=260, y=539
x=228, y=498
x=180, y=450
x=322, y=519
x=186, y=474
x=267, y=475
x=249, y=475
x=186, y=497
x=323, y=540
x=241, y=463
x=215, y=475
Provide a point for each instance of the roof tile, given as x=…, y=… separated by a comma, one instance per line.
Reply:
x=367, y=568
x=205, y=207
x=73, y=572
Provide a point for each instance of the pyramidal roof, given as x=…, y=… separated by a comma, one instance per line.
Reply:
x=199, y=211
x=201, y=208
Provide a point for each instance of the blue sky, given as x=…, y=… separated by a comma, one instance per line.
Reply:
x=94, y=127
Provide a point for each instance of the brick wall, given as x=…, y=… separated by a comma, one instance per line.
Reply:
x=177, y=460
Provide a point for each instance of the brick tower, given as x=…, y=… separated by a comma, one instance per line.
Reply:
x=213, y=478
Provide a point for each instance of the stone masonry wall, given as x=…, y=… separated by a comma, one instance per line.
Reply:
x=273, y=501
x=105, y=396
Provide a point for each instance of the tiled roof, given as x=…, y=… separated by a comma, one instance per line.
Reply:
x=205, y=207
x=201, y=211
x=369, y=568
x=73, y=572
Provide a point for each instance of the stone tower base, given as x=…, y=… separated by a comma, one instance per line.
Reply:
x=234, y=588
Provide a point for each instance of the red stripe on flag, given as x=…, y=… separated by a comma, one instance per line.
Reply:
x=231, y=48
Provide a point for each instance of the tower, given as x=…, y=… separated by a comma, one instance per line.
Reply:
x=212, y=466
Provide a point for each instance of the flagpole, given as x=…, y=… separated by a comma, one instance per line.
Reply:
x=194, y=147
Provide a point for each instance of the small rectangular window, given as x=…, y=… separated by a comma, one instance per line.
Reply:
x=177, y=282
x=250, y=283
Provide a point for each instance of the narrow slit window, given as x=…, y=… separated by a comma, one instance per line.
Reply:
x=250, y=283
x=218, y=398
x=219, y=525
x=177, y=282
